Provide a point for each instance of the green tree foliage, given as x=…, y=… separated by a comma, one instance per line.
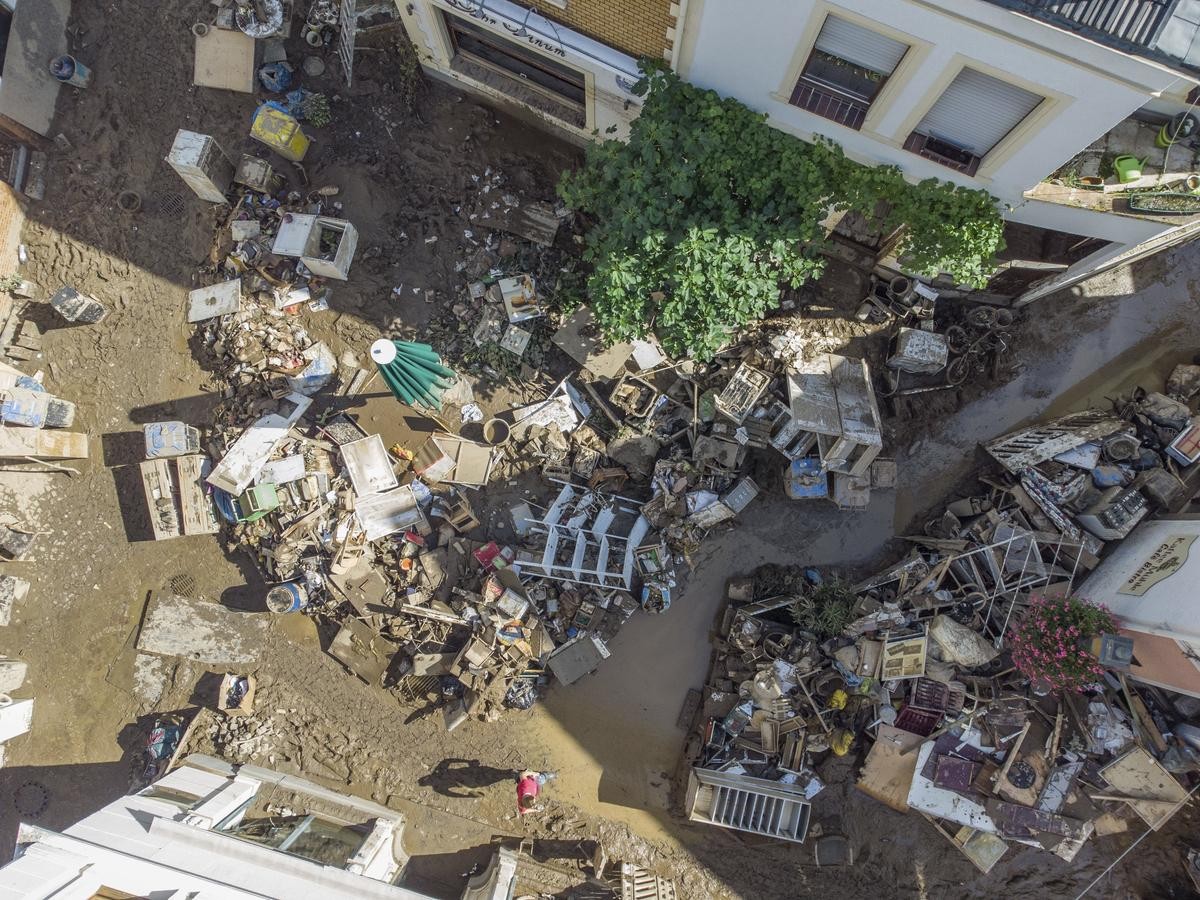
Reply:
x=706, y=210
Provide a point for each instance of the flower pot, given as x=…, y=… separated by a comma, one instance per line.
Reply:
x=1091, y=183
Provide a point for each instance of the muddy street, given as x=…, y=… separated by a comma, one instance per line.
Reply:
x=418, y=166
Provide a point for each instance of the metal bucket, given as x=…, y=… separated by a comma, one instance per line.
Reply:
x=496, y=432
x=69, y=70
x=292, y=596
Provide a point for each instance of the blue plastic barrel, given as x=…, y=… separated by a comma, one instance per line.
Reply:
x=291, y=596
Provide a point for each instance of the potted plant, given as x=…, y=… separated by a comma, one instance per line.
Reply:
x=1049, y=646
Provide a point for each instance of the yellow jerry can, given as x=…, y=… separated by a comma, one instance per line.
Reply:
x=279, y=131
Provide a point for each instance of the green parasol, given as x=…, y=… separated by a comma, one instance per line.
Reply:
x=413, y=372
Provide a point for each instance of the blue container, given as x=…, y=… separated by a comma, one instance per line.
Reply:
x=806, y=479
x=69, y=70
x=291, y=596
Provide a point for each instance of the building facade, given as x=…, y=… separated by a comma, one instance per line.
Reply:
x=569, y=63
x=208, y=831
x=1030, y=100
x=1149, y=584
x=1011, y=96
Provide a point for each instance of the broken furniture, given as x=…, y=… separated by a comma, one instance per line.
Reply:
x=586, y=537
x=167, y=439
x=278, y=129
x=388, y=512
x=249, y=453
x=257, y=502
x=199, y=160
x=201, y=630
x=727, y=507
x=12, y=591
x=745, y=803
x=580, y=338
x=258, y=175
x=34, y=408
x=324, y=244
x=175, y=496
x=578, y=657
x=831, y=398
x=742, y=392
x=371, y=469
x=362, y=650
x=19, y=443
x=520, y=298
x=214, y=300
x=1018, y=450
x=452, y=459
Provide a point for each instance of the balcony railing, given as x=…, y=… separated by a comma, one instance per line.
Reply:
x=829, y=103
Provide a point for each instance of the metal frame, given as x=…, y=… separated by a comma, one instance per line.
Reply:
x=579, y=521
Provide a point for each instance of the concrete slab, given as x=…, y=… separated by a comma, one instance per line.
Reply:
x=28, y=92
x=12, y=675
x=149, y=677
x=201, y=630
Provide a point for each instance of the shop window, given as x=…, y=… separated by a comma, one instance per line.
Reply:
x=534, y=73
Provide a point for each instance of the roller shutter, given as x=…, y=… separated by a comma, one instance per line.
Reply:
x=861, y=46
x=977, y=111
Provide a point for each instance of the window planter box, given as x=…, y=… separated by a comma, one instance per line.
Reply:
x=1166, y=203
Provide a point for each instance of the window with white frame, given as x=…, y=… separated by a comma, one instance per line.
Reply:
x=974, y=114
x=846, y=70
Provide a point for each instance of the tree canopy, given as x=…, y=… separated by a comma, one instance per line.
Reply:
x=706, y=210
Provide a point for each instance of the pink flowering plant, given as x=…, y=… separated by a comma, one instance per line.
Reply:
x=1046, y=645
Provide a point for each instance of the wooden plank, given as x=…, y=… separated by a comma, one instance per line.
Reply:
x=888, y=772
x=199, y=517
x=1138, y=774
x=160, y=499
x=225, y=60
x=533, y=220
x=16, y=443
x=1142, y=716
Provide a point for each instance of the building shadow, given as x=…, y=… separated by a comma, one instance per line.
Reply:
x=56, y=797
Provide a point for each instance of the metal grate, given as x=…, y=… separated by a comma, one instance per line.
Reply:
x=166, y=204
x=183, y=585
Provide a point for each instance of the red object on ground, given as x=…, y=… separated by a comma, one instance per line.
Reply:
x=527, y=786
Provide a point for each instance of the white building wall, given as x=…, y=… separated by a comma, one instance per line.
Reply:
x=148, y=846
x=754, y=52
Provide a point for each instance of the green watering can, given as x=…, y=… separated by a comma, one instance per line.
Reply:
x=1129, y=168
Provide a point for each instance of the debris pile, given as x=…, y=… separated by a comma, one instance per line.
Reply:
x=986, y=693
